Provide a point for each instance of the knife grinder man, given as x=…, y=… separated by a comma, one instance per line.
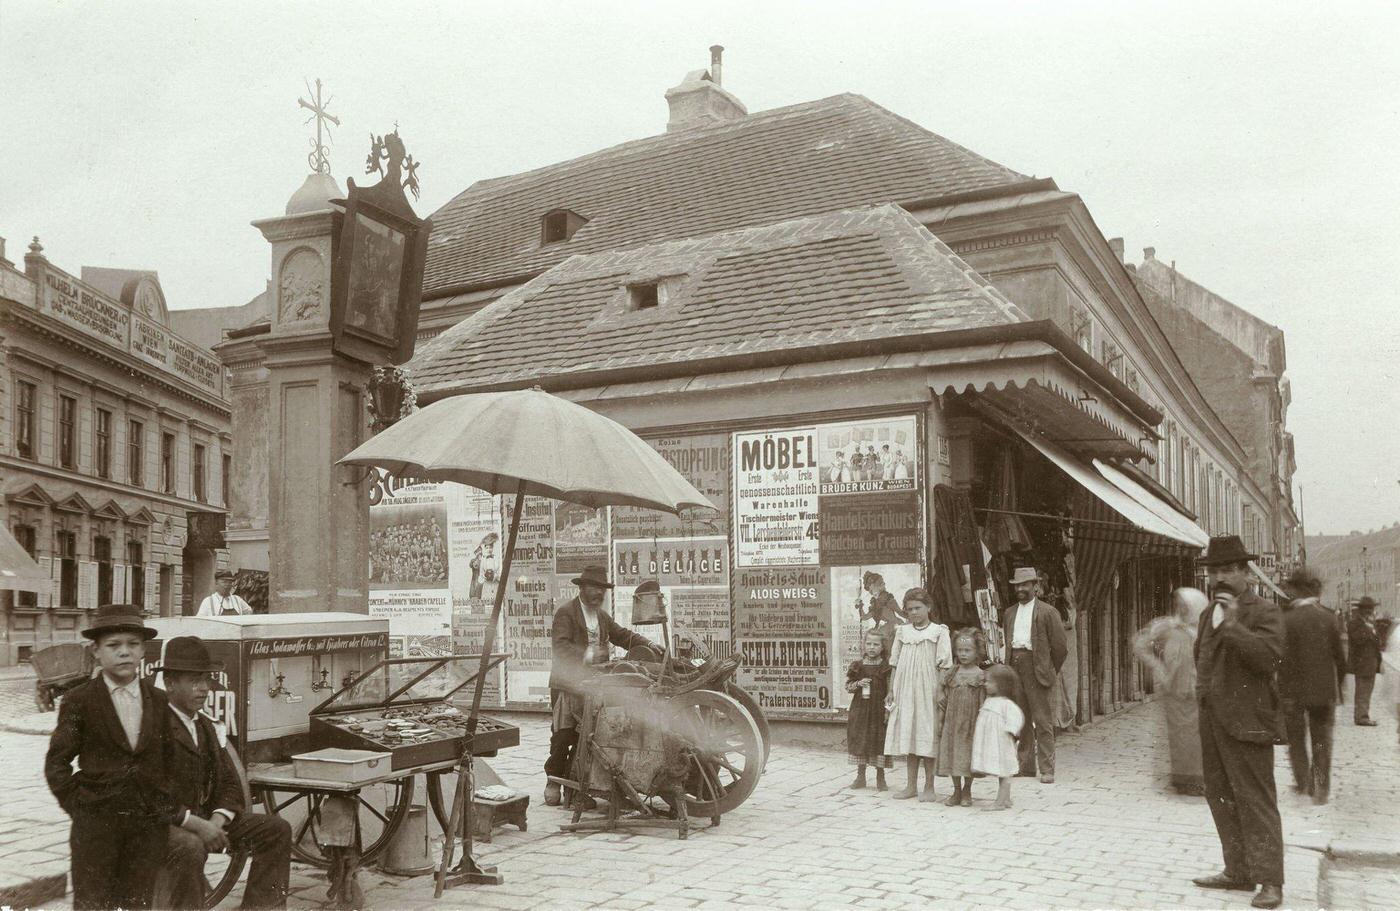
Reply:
x=582, y=636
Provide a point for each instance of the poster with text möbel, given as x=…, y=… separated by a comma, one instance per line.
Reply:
x=531, y=597
x=775, y=498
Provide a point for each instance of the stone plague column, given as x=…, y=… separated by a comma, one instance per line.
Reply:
x=318, y=517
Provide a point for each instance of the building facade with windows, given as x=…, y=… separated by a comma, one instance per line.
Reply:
x=114, y=447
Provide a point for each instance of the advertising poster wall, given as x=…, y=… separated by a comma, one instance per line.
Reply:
x=694, y=580
x=815, y=507
x=532, y=593
x=409, y=558
x=475, y=573
x=851, y=598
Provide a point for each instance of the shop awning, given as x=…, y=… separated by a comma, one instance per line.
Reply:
x=18, y=571
x=1190, y=532
x=1116, y=499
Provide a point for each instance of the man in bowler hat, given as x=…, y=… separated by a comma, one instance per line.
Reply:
x=582, y=635
x=114, y=726
x=209, y=813
x=1365, y=644
x=1239, y=647
x=1313, y=663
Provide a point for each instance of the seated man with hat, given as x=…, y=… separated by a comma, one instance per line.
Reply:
x=223, y=602
x=582, y=636
x=113, y=725
x=209, y=814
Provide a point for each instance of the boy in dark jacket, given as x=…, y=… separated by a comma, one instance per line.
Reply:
x=115, y=726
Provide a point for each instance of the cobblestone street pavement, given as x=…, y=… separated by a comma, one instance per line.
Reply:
x=1107, y=835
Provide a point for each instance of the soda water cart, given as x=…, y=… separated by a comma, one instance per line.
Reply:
x=277, y=668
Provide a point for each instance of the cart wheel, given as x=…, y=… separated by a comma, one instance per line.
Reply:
x=745, y=698
x=727, y=757
x=382, y=809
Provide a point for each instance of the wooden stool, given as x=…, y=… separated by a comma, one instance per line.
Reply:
x=491, y=813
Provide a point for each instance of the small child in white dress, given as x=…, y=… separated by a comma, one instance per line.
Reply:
x=999, y=723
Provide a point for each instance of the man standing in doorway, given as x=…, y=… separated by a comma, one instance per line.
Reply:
x=1239, y=647
x=1365, y=645
x=583, y=636
x=223, y=602
x=1038, y=649
x=1313, y=663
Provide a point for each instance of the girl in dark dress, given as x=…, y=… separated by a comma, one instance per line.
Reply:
x=868, y=680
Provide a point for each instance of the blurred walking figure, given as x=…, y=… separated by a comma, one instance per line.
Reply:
x=1364, y=641
x=1313, y=663
x=1167, y=646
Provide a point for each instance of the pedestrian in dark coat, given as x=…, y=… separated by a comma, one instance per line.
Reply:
x=1239, y=647
x=208, y=809
x=1312, y=663
x=1365, y=643
x=114, y=726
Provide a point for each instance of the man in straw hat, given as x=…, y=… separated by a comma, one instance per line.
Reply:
x=208, y=810
x=581, y=636
x=1038, y=649
x=118, y=801
x=1239, y=647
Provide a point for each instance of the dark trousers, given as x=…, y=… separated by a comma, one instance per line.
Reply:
x=1038, y=736
x=1365, y=683
x=267, y=838
x=115, y=859
x=1239, y=778
x=561, y=752
x=1311, y=774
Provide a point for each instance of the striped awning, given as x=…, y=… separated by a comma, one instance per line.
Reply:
x=1188, y=531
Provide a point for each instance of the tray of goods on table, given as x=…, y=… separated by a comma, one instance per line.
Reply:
x=405, y=706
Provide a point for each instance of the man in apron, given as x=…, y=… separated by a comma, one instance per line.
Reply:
x=223, y=602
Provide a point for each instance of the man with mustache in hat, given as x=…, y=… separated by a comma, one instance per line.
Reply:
x=114, y=726
x=1365, y=644
x=209, y=814
x=1239, y=646
x=1036, y=637
x=581, y=636
x=223, y=602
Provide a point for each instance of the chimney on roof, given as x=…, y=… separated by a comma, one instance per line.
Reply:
x=700, y=101
x=1116, y=245
x=1149, y=253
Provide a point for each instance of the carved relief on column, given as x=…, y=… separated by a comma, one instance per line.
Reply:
x=301, y=290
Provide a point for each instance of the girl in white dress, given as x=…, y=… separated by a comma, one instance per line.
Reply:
x=999, y=722
x=921, y=650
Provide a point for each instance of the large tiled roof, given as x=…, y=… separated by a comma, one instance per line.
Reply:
x=837, y=153
x=853, y=275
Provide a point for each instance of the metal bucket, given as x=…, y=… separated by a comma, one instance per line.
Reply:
x=648, y=606
x=409, y=852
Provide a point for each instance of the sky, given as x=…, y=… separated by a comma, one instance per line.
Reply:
x=1253, y=144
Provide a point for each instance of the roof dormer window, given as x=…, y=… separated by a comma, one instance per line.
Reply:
x=644, y=296
x=559, y=225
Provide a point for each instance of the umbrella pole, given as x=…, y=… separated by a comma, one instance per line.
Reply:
x=462, y=810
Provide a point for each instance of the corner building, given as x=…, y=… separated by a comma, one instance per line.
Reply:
x=114, y=448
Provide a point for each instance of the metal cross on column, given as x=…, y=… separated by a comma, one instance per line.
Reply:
x=318, y=159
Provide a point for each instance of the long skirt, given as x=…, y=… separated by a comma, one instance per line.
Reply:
x=1184, y=743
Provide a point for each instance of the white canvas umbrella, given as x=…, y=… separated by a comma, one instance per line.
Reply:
x=527, y=443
